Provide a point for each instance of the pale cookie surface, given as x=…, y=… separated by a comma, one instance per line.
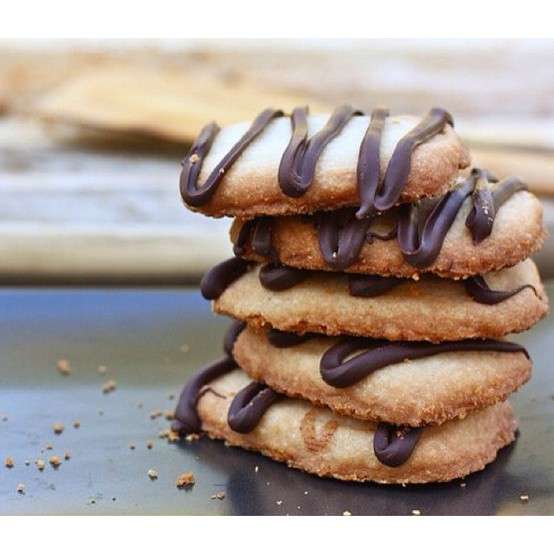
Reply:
x=250, y=187
x=431, y=309
x=320, y=442
x=517, y=232
x=417, y=392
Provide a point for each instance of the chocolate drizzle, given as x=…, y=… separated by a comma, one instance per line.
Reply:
x=368, y=286
x=249, y=406
x=231, y=336
x=219, y=277
x=281, y=277
x=486, y=203
x=341, y=237
x=337, y=372
x=259, y=231
x=399, y=166
x=282, y=339
x=196, y=195
x=369, y=162
x=297, y=167
x=478, y=289
x=394, y=445
x=186, y=415
x=420, y=237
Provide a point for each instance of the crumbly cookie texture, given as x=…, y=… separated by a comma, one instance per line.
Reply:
x=329, y=445
x=431, y=309
x=418, y=392
x=251, y=187
x=517, y=232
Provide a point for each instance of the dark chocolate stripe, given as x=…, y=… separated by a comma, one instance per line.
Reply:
x=341, y=237
x=298, y=163
x=369, y=162
x=259, y=232
x=368, y=286
x=379, y=353
x=421, y=238
x=282, y=339
x=486, y=202
x=261, y=237
x=478, y=289
x=186, y=415
x=249, y=406
x=196, y=195
x=219, y=277
x=281, y=277
x=231, y=336
x=394, y=445
x=399, y=165
x=244, y=234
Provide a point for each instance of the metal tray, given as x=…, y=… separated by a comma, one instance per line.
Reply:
x=150, y=340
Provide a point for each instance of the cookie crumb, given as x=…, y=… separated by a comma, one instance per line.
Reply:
x=256, y=469
x=149, y=445
x=102, y=369
x=306, y=492
x=20, y=488
x=8, y=462
x=48, y=447
x=169, y=415
x=192, y=437
x=153, y=474
x=278, y=502
x=27, y=463
x=58, y=428
x=109, y=386
x=40, y=464
x=195, y=158
x=524, y=498
x=185, y=480
x=63, y=366
x=416, y=512
x=76, y=424
x=218, y=496
x=131, y=446
x=155, y=414
x=346, y=513
x=55, y=461
x=67, y=456
x=184, y=348
x=92, y=501
x=169, y=434
x=463, y=485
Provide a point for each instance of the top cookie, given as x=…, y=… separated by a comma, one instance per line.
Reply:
x=300, y=164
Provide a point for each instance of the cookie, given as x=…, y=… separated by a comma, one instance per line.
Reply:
x=431, y=309
x=300, y=164
x=409, y=390
x=329, y=445
x=337, y=241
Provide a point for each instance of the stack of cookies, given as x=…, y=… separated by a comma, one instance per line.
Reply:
x=375, y=276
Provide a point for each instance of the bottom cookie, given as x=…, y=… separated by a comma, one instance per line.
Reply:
x=318, y=441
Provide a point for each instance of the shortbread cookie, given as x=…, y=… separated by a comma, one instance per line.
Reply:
x=431, y=309
x=301, y=164
x=389, y=382
x=453, y=242
x=329, y=445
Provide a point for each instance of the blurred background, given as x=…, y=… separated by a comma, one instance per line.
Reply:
x=92, y=133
